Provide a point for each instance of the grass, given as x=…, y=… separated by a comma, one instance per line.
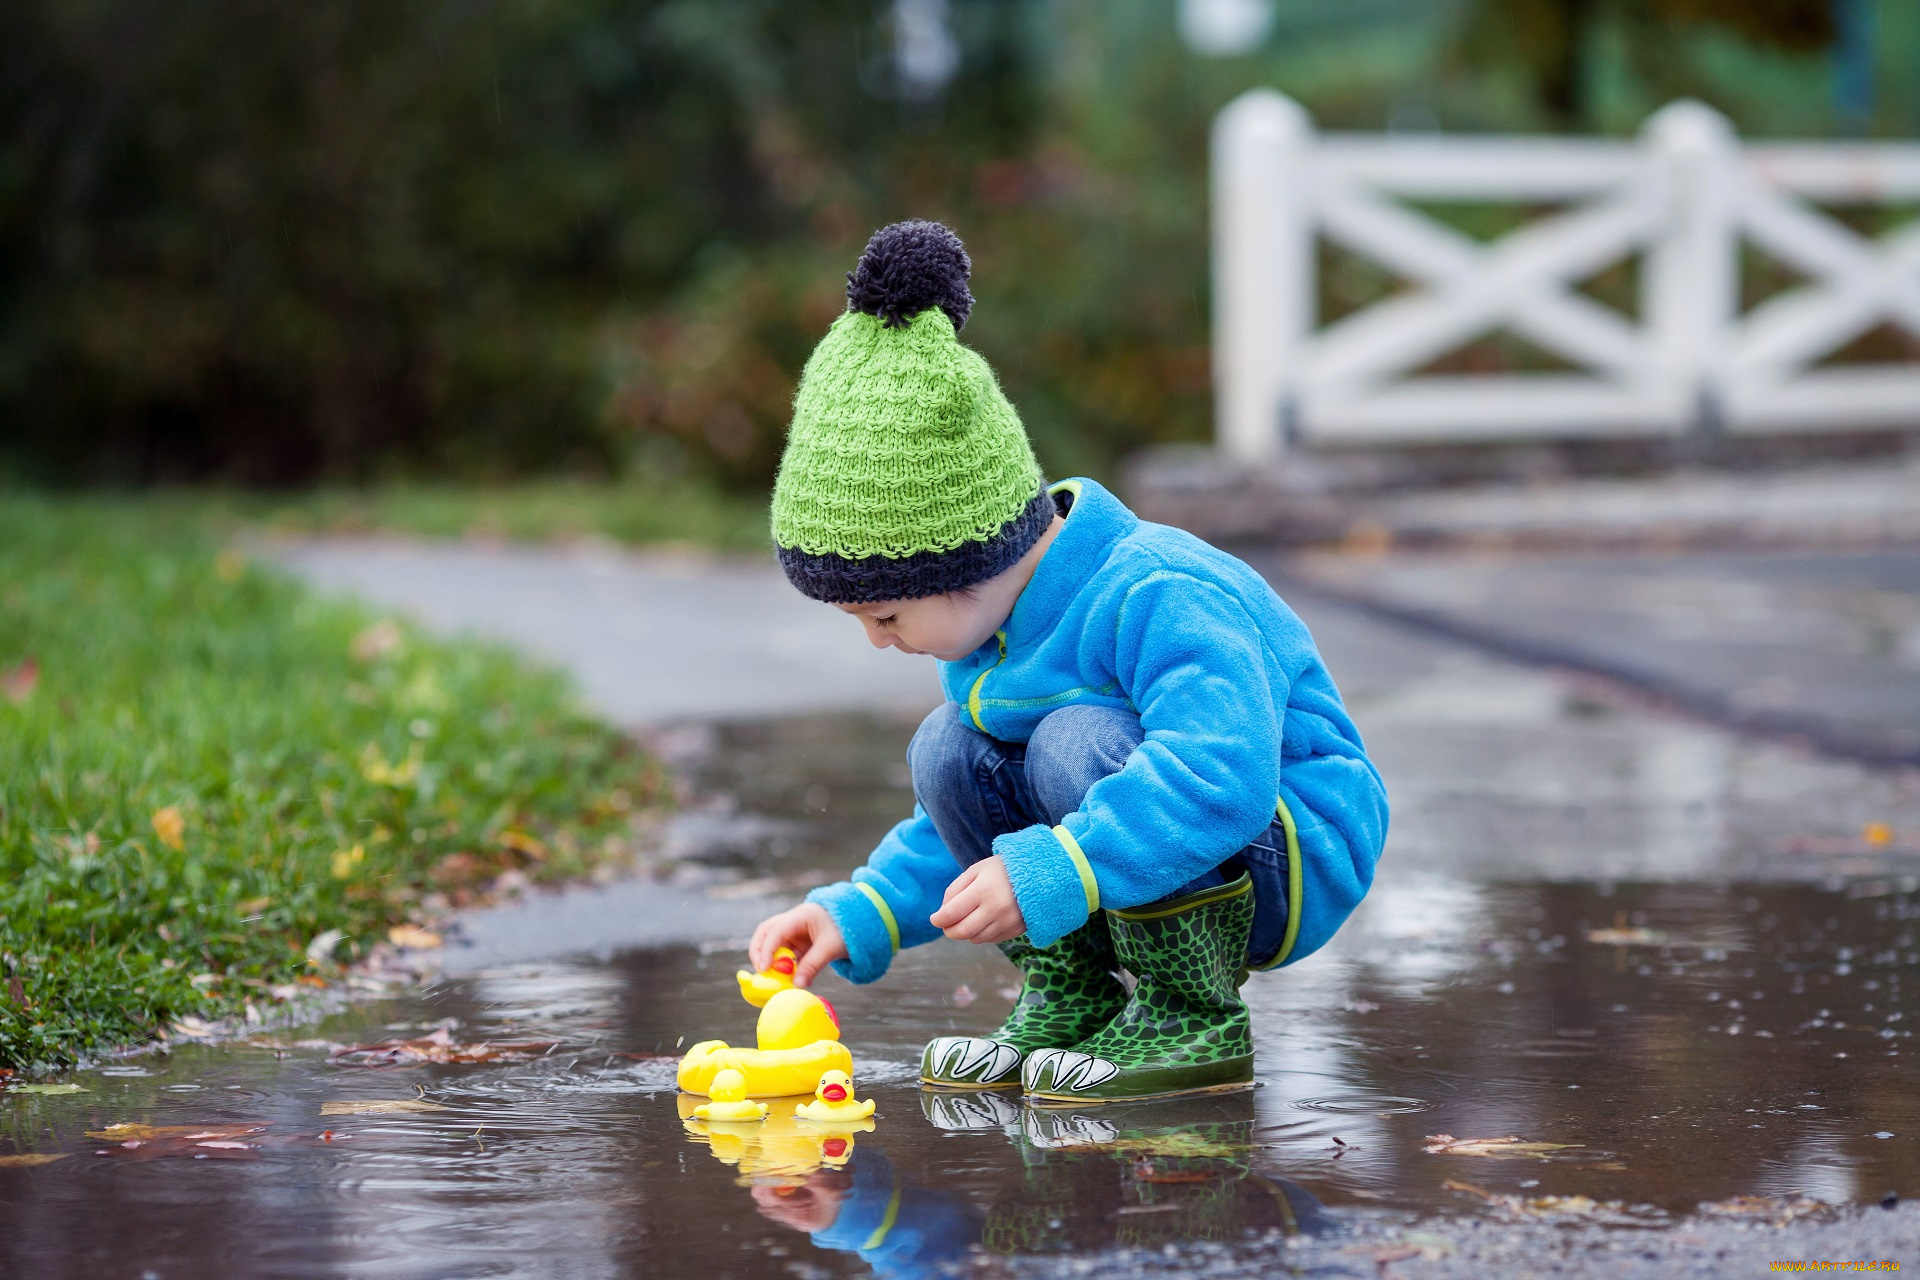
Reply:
x=631, y=512
x=204, y=767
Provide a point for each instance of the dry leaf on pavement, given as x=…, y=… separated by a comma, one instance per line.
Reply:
x=377, y=1106
x=413, y=937
x=1780, y=1210
x=1445, y=1144
x=439, y=1047
x=147, y=1141
x=30, y=1159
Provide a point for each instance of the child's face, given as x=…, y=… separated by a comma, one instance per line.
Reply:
x=953, y=625
x=949, y=626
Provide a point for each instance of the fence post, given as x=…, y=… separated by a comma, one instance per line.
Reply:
x=1691, y=285
x=1263, y=270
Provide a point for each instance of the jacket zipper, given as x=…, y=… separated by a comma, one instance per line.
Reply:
x=973, y=695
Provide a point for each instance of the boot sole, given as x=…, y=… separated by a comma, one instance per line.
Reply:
x=1081, y=1100
x=965, y=1086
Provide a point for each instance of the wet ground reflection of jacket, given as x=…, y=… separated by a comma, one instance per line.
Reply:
x=899, y=1228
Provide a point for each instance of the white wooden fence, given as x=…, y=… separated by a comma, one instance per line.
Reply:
x=1684, y=196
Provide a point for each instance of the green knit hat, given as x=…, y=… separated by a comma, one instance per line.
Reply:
x=907, y=473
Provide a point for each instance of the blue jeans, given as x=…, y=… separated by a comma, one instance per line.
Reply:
x=975, y=787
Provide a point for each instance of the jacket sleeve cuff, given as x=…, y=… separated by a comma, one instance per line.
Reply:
x=1051, y=879
x=867, y=923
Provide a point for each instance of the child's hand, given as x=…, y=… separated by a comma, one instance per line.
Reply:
x=809, y=930
x=980, y=906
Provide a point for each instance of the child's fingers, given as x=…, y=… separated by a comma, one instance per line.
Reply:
x=973, y=925
x=817, y=957
x=956, y=908
x=962, y=882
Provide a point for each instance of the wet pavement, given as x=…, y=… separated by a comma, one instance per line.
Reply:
x=1679, y=1042
x=1633, y=995
x=1819, y=645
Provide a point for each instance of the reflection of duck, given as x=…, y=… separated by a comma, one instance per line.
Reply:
x=779, y=1150
x=729, y=1094
x=834, y=1102
x=758, y=988
x=798, y=1043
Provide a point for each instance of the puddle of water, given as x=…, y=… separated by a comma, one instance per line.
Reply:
x=1677, y=1043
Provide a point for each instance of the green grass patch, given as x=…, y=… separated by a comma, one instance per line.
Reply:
x=203, y=767
x=630, y=512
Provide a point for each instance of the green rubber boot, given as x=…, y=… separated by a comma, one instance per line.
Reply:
x=1070, y=992
x=1185, y=1028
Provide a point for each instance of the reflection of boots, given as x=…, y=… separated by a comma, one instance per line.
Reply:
x=1070, y=992
x=980, y=1111
x=1185, y=1027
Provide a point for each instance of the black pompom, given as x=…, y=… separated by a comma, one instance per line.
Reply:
x=909, y=267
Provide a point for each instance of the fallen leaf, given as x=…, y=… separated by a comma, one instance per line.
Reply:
x=413, y=937
x=377, y=1106
x=1780, y=1210
x=16, y=992
x=1877, y=834
x=206, y=1142
x=439, y=1047
x=18, y=681
x=320, y=950
x=30, y=1159
x=522, y=843
x=347, y=861
x=1626, y=937
x=192, y=1028
x=47, y=1090
x=1445, y=1144
x=170, y=827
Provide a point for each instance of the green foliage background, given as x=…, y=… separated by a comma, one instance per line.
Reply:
x=347, y=240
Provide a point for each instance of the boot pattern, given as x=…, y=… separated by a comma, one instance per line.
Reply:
x=1070, y=991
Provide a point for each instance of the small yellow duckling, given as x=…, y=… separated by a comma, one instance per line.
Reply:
x=834, y=1101
x=729, y=1100
x=758, y=988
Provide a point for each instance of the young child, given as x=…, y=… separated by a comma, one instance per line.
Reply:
x=1142, y=763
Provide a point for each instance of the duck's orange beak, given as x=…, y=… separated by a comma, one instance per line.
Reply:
x=834, y=1093
x=783, y=964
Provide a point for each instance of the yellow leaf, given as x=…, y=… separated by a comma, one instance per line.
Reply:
x=521, y=842
x=347, y=861
x=1445, y=1144
x=170, y=827
x=413, y=937
x=377, y=1106
x=1877, y=834
x=29, y=1159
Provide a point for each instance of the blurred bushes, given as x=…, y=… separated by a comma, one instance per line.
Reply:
x=480, y=238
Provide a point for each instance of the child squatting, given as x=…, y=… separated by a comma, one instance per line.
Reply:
x=1142, y=763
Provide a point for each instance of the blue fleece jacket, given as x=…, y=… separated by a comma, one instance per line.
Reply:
x=1242, y=723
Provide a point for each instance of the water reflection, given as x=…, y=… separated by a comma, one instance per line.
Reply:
x=1683, y=1042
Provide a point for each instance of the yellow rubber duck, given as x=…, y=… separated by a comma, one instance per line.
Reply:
x=834, y=1101
x=729, y=1094
x=758, y=988
x=799, y=1042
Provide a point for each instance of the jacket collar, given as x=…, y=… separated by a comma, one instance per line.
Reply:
x=1098, y=520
